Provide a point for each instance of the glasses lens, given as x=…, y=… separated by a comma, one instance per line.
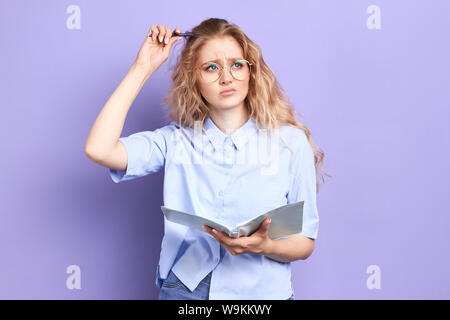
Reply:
x=240, y=70
x=210, y=71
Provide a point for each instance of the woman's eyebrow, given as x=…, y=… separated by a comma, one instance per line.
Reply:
x=229, y=59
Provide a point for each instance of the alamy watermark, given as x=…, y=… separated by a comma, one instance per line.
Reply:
x=262, y=149
x=374, y=280
x=74, y=280
x=373, y=22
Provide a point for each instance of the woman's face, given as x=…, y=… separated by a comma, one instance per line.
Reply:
x=225, y=51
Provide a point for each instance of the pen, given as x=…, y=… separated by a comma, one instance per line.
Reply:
x=185, y=34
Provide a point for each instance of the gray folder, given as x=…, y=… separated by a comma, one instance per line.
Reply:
x=286, y=220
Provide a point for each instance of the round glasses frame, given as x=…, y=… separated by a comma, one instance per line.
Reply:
x=229, y=69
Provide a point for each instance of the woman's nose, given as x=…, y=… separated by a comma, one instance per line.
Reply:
x=225, y=76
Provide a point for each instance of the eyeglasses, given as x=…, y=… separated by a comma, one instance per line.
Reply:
x=211, y=71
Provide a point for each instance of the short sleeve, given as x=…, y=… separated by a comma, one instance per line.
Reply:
x=303, y=187
x=146, y=152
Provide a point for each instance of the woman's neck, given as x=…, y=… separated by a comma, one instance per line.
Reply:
x=228, y=121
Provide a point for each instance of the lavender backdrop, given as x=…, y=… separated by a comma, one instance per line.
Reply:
x=372, y=84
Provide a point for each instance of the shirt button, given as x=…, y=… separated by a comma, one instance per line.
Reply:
x=220, y=193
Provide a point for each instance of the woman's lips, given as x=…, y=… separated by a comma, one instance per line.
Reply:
x=228, y=92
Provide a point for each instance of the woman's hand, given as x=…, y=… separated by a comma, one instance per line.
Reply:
x=155, y=49
x=257, y=243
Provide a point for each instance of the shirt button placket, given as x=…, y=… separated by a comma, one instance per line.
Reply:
x=221, y=201
x=229, y=152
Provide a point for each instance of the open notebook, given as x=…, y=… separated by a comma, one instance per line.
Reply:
x=286, y=220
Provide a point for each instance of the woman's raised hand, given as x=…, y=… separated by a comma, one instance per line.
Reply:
x=155, y=49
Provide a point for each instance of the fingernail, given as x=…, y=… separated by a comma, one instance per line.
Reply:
x=160, y=39
x=167, y=40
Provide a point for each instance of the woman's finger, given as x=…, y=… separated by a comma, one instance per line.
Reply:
x=162, y=32
x=175, y=38
x=168, y=35
x=154, y=32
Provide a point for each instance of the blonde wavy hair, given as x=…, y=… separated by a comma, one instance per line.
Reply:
x=265, y=100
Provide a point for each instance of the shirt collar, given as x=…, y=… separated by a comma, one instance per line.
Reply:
x=239, y=137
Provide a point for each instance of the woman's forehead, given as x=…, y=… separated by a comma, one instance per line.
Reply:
x=220, y=50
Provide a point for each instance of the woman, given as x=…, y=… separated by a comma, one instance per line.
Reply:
x=224, y=101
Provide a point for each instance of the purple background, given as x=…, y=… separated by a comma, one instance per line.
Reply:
x=376, y=101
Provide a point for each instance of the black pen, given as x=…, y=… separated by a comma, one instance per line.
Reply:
x=174, y=34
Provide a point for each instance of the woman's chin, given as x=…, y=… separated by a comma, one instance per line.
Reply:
x=226, y=105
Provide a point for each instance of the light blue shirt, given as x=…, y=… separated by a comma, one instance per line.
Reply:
x=231, y=178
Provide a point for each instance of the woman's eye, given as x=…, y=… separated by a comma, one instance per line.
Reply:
x=237, y=64
x=212, y=66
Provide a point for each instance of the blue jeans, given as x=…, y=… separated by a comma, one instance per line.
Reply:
x=173, y=289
